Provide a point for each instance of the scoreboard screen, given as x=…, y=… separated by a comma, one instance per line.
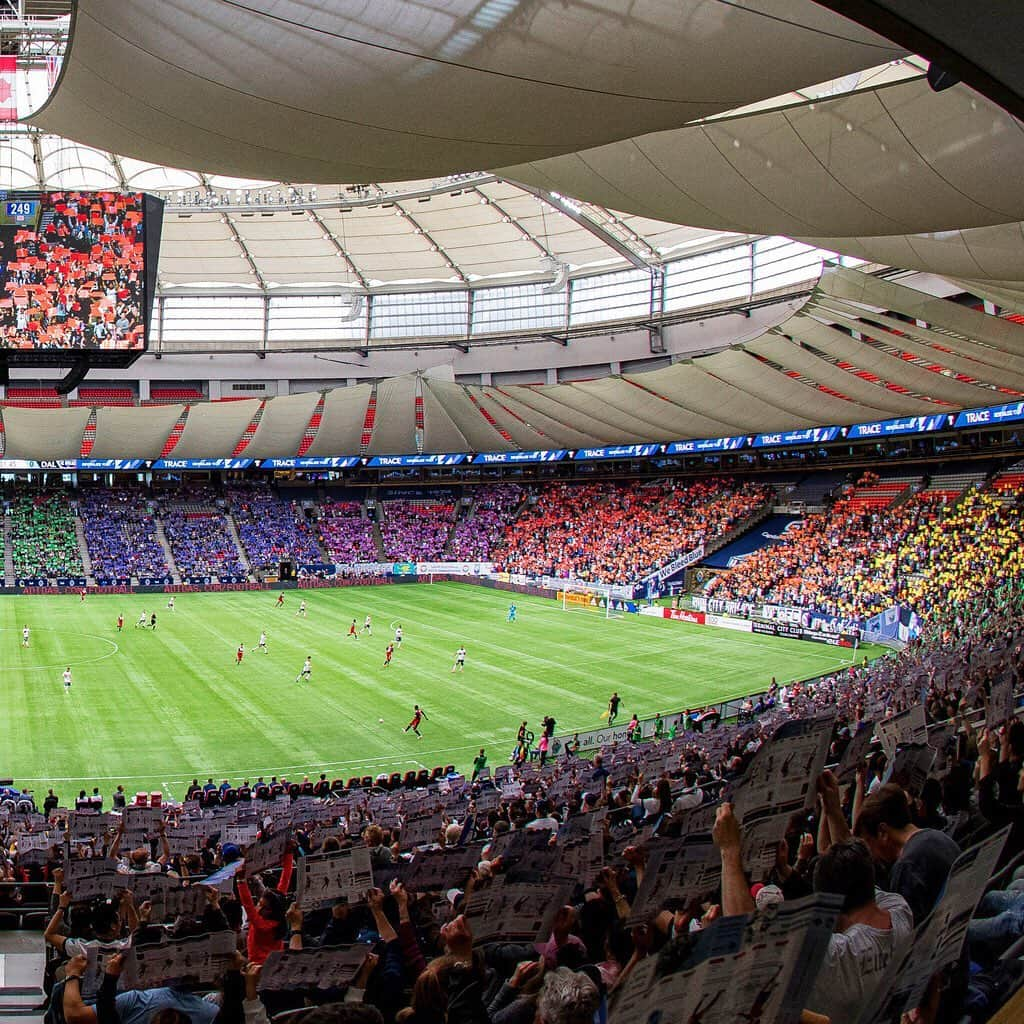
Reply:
x=21, y=213
x=76, y=271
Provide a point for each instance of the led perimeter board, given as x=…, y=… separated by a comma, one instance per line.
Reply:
x=77, y=276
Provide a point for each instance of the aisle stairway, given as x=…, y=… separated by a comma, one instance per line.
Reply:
x=8, y=553
x=229, y=521
x=83, y=549
x=21, y=977
x=161, y=538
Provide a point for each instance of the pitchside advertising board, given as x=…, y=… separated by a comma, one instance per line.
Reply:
x=789, y=630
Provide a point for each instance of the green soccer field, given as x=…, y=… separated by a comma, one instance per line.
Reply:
x=153, y=709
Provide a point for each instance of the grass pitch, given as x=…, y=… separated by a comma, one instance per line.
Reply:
x=151, y=709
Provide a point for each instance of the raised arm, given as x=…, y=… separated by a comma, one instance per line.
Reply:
x=736, y=898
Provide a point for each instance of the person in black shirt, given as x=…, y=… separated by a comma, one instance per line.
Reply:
x=613, y=706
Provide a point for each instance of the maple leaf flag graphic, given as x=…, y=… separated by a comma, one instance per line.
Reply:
x=8, y=89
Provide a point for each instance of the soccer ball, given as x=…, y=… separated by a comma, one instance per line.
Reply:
x=380, y=719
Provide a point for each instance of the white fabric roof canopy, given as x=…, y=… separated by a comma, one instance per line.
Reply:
x=395, y=89
x=808, y=371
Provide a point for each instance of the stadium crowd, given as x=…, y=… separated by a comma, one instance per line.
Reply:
x=119, y=526
x=201, y=544
x=853, y=562
x=345, y=532
x=476, y=534
x=552, y=892
x=269, y=527
x=77, y=282
x=563, y=889
x=43, y=538
x=611, y=533
x=416, y=531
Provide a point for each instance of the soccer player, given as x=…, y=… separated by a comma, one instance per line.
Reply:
x=613, y=706
x=262, y=645
x=170, y=603
x=302, y=609
x=512, y=612
x=142, y=621
x=120, y=621
x=398, y=636
x=83, y=592
x=239, y=655
x=460, y=660
x=352, y=631
x=25, y=633
x=479, y=764
x=307, y=669
x=67, y=679
x=152, y=621
x=388, y=652
x=280, y=600
x=368, y=626
x=418, y=714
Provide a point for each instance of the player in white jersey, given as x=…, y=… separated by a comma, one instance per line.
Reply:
x=398, y=636
x=67, y=679
x=302, y=609
x=141, y=624
x=368, y=626
x=170, y=603
x=460, y=660
x=307, y=669
x=25, y=633
x=262, y=645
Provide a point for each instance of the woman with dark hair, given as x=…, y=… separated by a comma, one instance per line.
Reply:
x=268, y=924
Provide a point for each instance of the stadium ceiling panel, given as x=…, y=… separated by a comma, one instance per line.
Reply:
x=792, y=356
x=950, y=351
x=452, y=400
x=993, y=253
x=877, y=162
x=342, y=421
x=123, y=433
x=399, y=89
x=44, y=433
x=745, y=371
x=213, y=428
x=563, y=430
x=871, y=291
x=394, y=427
x=281, y=426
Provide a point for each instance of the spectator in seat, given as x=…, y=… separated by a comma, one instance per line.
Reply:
x=920, y=858
x=872, y=927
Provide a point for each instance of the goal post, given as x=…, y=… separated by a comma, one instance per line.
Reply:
x=594, y=598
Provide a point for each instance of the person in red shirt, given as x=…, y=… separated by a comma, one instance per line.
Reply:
x=268, y=924
x=120, y=623
x=388, y=652
x=239, y=654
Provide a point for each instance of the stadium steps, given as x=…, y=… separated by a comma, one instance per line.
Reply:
x=229, y=522
x=378, y=537
x=83, y=549
x=759, y=516
x=21, y=977
x=8, y=552
x=161, y=539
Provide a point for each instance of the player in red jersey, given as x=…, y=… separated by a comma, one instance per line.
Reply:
x=83, y=593
x=352, y=630
x=239, y=654
x=388, y=652
x=280, y=600
x=418, y=715
x=120, y=622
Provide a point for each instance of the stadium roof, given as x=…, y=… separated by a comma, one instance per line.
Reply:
x=838, y=360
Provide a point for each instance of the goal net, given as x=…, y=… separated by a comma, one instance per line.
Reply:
x=595, y=600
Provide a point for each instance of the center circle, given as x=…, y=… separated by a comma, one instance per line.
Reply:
x=71, y=647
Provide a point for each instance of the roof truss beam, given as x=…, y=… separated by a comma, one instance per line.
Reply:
x=597, y=230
